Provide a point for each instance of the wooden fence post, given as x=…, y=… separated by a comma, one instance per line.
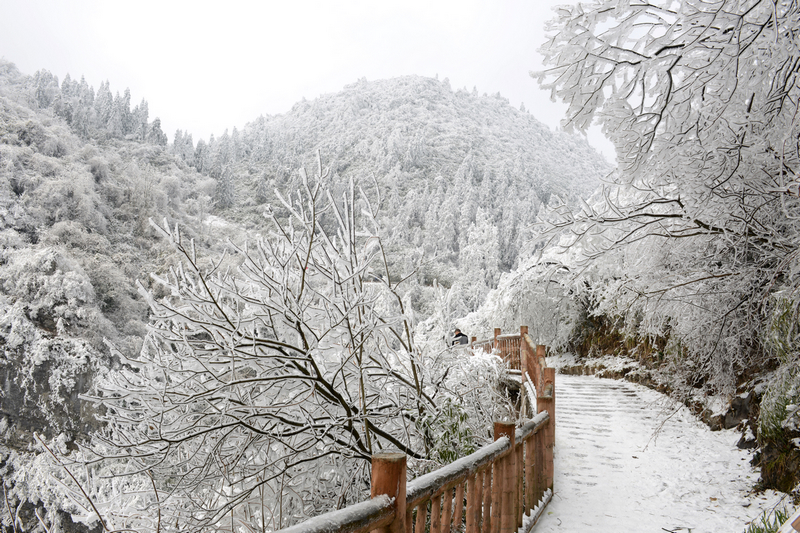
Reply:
x=507, y=478
x=530, y=363
x=496, y=344
x=473, y=518
x=527, y=409
x=547, y=402
x=538, y=466
x=436, y=513
x=530, y=485
x=540, y=365
x=447, y=510
x=389, y=477
x=488, y=500
x=518, y=475
x=519, y=459
x=458, y=512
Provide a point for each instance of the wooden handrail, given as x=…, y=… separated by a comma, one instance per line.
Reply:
x=511, y=348
x=505, y=484
x=364, y=516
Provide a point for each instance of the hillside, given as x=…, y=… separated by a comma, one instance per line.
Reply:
x=75, y=235
x=460, y=178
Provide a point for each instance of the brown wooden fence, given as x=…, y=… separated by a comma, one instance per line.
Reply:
x=509, y=347
x=498, y=489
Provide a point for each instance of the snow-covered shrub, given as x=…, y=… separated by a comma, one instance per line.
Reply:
x=54, y=286
x=468, y=388
x=782, y=392
x=99, y=169
x=780, y=404
x=469, y=397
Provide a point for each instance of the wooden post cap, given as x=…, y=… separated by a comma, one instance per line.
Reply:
x=388, y=474
x=389, y=478
x=504, y=429
x=391, y=457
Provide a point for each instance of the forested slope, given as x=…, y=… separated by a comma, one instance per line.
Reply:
x=459, y=178
x=74, y=213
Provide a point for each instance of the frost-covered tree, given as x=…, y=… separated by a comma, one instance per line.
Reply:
x=202, y=156
x=263, y=389
x=225, y=194
x=700, y=98
x=139, y=119
x=45, y=88
x=103, y=105
x=177, y=142
x=479, y=257
x=155, y=134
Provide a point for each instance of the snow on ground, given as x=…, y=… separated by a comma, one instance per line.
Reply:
x=629, y=459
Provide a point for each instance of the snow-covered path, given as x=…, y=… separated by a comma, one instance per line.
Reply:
x=628, y=459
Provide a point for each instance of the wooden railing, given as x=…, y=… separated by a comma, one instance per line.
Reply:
x=509, y=347
x=498, y=489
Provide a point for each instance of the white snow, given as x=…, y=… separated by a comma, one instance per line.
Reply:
x=629, y=459
x=343, y=518
x=529, y=519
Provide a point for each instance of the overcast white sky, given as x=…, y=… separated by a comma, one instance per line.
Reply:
x=207, y=66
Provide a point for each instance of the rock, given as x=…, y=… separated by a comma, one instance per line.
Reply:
x=739, y=410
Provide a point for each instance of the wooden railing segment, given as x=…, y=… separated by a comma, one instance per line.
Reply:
x=358, y=518
x=546, y=403
x=511, y=348
x=498, y=489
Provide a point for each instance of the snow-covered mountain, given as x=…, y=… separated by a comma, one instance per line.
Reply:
x=461, y=177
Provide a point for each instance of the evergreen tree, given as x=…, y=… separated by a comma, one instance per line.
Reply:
x=262, y=191
x=104, y=106
x=139, y=118
x=155, y=135
x=85, y=93
x=177, y=142
x=222, y=155
x=45, y=88
x=128, y=125
x=201, y=156
x=187, y=150
x=225, y=194
x=116, y=121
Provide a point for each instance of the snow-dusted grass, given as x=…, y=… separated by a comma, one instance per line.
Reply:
x=630, y=459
